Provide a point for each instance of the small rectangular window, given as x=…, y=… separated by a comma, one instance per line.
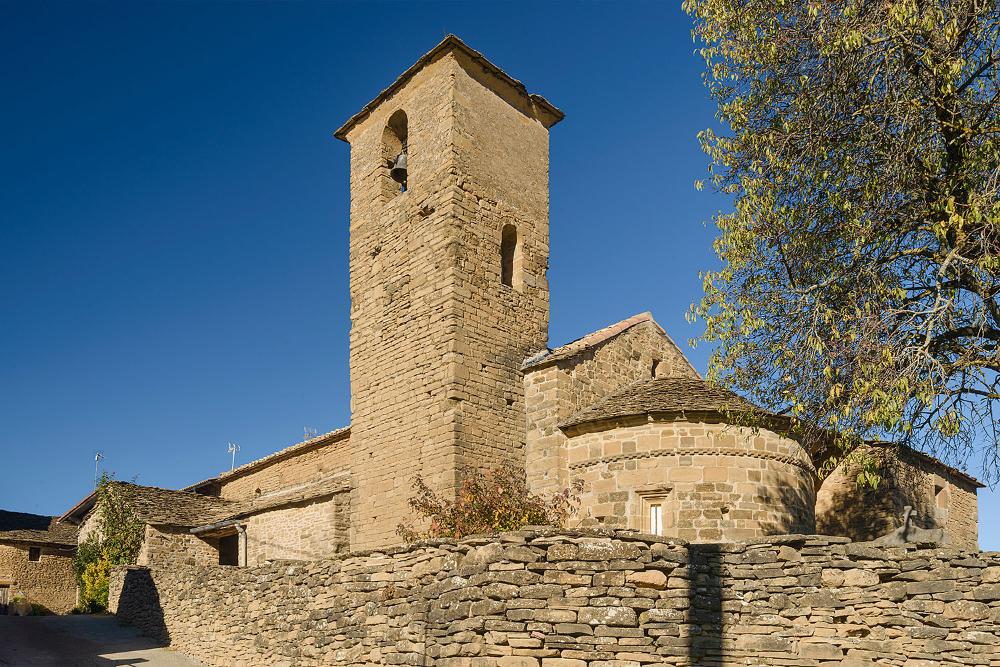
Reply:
x=229, y=550
x=656, y=519
x=942, y=497
x=34, y=553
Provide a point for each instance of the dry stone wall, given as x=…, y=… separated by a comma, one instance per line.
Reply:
x=540, y=598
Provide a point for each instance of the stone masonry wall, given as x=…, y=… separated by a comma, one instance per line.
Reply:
x=436, y=339
x=49, y=581
x=939, y=499
x=553, y=392
x=170, y=547
x=578, y=599
x=501, y=156
x=713, y=481
x=304, y=531
x=327, y=458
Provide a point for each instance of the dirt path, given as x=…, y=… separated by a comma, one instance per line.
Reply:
x=80, y=641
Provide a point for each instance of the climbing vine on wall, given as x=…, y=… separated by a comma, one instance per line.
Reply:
x=116, y=540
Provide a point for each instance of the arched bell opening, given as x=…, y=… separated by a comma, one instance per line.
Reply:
x=394, y=173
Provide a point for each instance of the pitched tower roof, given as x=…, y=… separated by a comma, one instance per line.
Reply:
x=547, y=113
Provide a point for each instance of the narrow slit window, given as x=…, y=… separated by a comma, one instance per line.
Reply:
x=656, y=519
x=510, y=257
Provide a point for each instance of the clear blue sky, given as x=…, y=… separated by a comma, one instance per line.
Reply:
x=173, y=240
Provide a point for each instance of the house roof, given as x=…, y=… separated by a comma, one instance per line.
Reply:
x=186, y=509
x=35, y=529
x=549, y=114
x=594, y=339
x=662, y=395
x=933, y=462
x=296, y=494
x=301, y=493
x=280, y=455
x=161, y=507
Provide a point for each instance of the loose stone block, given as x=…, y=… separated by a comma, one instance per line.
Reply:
x=648, y=579
x=608, y=616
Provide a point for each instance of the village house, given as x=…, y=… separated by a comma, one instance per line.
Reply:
x=450, y=368
x=36, y=563
x=296, y=521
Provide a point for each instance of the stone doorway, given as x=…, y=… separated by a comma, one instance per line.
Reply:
x=4, y=598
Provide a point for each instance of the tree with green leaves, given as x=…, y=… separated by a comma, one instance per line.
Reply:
x=859, y=141
x=116, y=540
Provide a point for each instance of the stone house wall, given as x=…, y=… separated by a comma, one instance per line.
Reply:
x=171, y=547
x=309, y=530
x=328, y=457
x=90, y=526
x=48, y=581
x=436, y=339
x=938, y=496
x=583, y=599
x=712, y=481
x=162, y=545
x=556, y=390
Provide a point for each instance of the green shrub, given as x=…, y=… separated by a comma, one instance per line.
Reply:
x=116, y=541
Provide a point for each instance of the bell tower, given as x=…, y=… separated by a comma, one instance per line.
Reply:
x=449, y=246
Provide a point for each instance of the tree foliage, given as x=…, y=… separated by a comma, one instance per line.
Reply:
x=116, y=540
x=494, y=501
x=858, y=140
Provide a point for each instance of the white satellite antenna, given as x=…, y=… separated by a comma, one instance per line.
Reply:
x=233, y=448
x=97, y=462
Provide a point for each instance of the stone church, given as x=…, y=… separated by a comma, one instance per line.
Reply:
x=450, y=368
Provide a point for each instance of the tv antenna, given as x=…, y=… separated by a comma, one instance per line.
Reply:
x=233, y=448
x=97, y=463
x=308, y=433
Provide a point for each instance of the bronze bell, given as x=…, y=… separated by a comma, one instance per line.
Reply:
x=398, y=171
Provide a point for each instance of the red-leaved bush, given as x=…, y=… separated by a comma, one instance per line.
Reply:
x=494, y=501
